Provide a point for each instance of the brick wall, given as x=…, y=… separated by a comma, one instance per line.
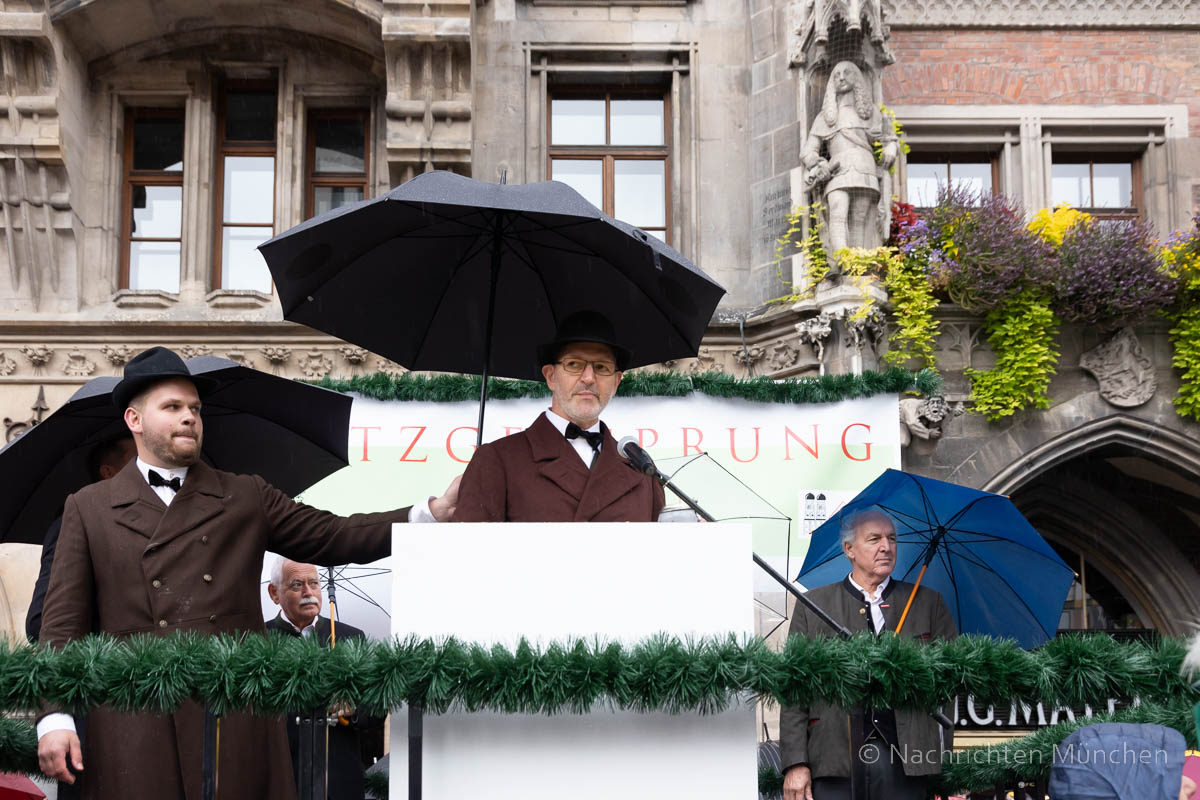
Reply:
x=1053, y=66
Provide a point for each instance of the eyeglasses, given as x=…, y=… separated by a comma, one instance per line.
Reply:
x=296, y=586
x=576, y=366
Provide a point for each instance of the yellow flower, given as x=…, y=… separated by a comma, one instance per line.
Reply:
x=1053, y=225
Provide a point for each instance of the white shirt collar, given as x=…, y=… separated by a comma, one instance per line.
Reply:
x=166, y=472
x=309, y=630
x=878, y=597
x=561, y=423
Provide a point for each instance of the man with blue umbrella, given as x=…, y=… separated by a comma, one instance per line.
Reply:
x=883, y=753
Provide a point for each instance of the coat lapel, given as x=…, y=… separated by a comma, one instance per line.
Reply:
x=556, y=460
x=610, y=478
x=198, y=501
x=135, y=505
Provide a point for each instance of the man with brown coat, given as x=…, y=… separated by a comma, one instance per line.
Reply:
x=172, y=544
x=565, y=467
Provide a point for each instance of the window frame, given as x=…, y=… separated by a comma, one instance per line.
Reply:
x=239, y=147
x=609, y=154
x=947, y=158
x=313, y=179
x=131, y=177
x=1063, y=155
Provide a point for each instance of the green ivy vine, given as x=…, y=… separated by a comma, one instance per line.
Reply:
x=913, y=303
x=1182, y=258
x=1021, y=333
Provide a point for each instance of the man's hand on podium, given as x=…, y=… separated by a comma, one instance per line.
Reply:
x=443, y=507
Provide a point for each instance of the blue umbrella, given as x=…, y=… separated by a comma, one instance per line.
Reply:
x=997, y=574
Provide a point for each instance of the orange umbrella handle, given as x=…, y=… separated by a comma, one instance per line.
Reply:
x=908, y=605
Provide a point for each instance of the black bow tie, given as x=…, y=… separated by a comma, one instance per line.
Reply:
x=159, y=480
x=594, y=438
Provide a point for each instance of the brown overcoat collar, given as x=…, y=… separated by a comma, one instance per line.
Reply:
x=139, y=509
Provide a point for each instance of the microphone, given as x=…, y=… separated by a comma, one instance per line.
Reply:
x=638, y=458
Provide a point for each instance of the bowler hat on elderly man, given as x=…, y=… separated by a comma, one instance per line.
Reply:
x=584, y=326
x=150, y=367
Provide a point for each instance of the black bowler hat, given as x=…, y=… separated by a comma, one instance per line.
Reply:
x=152, y=366
x=583, y=326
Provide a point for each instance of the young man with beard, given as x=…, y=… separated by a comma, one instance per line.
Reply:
x=171, y=544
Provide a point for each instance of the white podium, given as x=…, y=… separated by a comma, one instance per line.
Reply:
x=494, y=583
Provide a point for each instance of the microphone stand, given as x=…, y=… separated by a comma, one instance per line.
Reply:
x=641, y=461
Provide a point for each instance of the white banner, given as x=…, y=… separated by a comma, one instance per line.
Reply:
x=803, y=461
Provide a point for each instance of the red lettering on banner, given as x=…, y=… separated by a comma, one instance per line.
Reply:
x=364, y=429
x=420, y=430
x=450, y=436
x=733, y=447
x=788, y=435
x=642, y=439
x=699, y=439
x=866, y=457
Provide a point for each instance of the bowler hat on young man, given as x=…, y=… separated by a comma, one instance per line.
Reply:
x=150, y=367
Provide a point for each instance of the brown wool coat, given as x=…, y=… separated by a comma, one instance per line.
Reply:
x=536, y=476
x=142, y=567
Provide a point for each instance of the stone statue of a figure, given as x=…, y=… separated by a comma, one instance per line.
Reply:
x=839, y=161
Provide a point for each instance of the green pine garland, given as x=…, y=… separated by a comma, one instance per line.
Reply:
x=270, y=674
x=824, y=389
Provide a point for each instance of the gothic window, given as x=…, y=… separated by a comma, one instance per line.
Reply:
x=612, y=147
x=152, y=200
x=245, y=191
x=337, y=159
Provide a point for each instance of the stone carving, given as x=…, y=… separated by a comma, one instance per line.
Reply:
x=240, y=357
x=78, y=365
x=7, y=365
x=957, y=338
x=1042, y=13
x=811, y=21
x=428, y=103
x=748, y=356
x=705, y=362
x=1125, y=373
x=784, y=356
x=39, y=355
x=355, y=356
x=839, y=162
x=925, y=418
x=277, y=355
x=814, y=331
x=389, y=367
x=14, y=428
x=315, y=364
x=866, y=330
x=117, y=355
x=195, y=350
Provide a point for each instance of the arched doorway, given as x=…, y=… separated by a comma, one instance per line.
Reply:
x=1119, y=498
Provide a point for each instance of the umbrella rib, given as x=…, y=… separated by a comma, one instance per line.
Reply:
x=984, y=537
x=958, y=515
x=986, y=567
x=469, y=254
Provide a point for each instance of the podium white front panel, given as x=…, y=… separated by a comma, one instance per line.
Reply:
x=494, y=583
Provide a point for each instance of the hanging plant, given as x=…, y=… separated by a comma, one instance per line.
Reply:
x=816, y=260
x=1110, y=275
x=913, y=301
x=1021, y=334
x=1182, y=259
x=863, y=267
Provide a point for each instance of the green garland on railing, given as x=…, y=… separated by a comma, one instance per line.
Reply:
x=823, y=389
x=270, y=674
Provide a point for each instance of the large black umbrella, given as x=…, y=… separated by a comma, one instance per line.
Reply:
x=290, y=433
x=450, y=274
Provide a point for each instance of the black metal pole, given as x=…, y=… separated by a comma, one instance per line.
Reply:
x=416, y=726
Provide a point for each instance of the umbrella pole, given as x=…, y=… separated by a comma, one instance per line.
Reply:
x=487, y=334
x=908, y=605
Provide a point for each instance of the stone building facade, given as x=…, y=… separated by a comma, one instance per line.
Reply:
x=147, y=146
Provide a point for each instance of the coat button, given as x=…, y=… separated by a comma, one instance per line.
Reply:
x=162, y=623
x=212, y=618
x=204, y=539
x=156, y=583
x=207, y=578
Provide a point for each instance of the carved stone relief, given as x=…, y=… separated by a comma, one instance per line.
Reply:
x=1125, y=373
x=924, y=418
x=867, y=331
x=783, y=355
x=815, y=331
x=314, y=364
x=705, y=362
x=1042, y=13
x=428, y=101
x=38, y=356
x=7, y=365
x=78, y=365
x=117, y=355
x=810, y=22
x=748, y=356
x=14, y=428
